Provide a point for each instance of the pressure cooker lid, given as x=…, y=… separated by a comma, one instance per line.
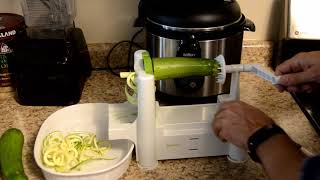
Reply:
x=192, y=14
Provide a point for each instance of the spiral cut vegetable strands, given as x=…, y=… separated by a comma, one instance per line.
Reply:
x=131, y=87
x=68, y=153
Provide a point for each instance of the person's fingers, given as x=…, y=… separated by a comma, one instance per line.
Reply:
x=233, y=106
x=300, y=88
x=216, y=126
x=220, y=111
x=222, y=136
x=217, y=123
x=217, y=129
x=224, y=106
x=309, y=91
x=315, y=86
x=280, y=88
x=292, y=89
x=296, y=78
x=306, y=88
x=291, y=65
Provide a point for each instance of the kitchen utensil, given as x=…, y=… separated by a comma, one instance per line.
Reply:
x=52, y=71
x=159, y=132
x=181, y=131
x=53, y=62
x=253, y=68
x=176, y=131
x=49, y=14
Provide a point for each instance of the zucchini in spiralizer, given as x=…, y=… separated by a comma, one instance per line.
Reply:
x=174, y=67
x=179, y=67
x=165, y=68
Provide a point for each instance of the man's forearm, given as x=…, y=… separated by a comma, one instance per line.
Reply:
x=281, y=157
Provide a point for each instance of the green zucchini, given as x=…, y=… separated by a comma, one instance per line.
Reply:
x=11, y=144
x=179, y=67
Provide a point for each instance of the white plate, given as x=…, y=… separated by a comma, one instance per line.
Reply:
x=93, y=118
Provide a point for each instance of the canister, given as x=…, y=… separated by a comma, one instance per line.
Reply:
x=12, y=31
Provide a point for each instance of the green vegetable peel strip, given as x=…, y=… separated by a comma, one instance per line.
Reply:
x=65, y=154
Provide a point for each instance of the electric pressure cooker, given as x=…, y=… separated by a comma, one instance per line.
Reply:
x=202, y=28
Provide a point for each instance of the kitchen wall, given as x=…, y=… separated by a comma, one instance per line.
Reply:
x=266, y=15
x=112, y=20
x=12, y=6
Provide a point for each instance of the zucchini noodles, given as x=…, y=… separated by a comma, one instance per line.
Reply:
x=67, y=153
x=131, y=87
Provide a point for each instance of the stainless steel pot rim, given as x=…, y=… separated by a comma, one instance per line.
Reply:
x=203, y=40
x=183, y=29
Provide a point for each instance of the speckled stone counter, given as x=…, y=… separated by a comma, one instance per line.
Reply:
x=102, y=86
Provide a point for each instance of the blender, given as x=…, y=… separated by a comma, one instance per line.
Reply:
x=53, y=62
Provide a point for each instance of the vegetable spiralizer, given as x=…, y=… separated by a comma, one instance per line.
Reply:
x=174, y=132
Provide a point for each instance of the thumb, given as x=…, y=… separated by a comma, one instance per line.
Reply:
x=293, y=79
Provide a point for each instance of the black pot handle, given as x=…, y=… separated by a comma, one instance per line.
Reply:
x=249, y=26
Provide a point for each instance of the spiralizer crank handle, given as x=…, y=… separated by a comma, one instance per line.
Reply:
x=235, y=154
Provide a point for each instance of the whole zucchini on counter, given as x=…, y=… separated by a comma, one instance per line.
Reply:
x=11, y=144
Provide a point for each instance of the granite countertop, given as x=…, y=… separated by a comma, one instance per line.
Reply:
x=102, y=86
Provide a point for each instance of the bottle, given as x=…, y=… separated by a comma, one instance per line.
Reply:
x=12, y=30
x=6, y=56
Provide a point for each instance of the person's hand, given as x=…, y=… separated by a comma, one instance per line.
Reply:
x=301, y=73
x=236, y=121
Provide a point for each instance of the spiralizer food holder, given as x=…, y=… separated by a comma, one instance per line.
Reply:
x=174, y=132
